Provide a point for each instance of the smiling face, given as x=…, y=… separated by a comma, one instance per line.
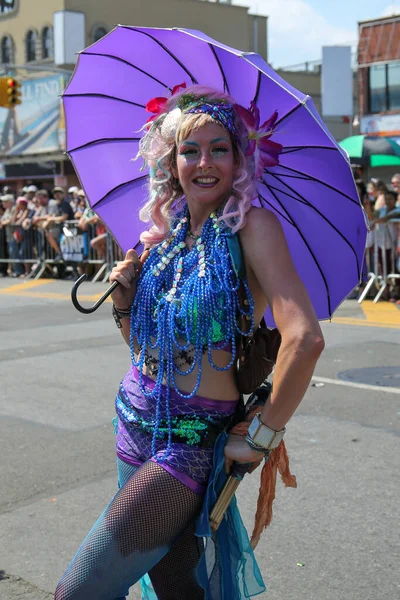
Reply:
x=396, y=183
x=205, y=165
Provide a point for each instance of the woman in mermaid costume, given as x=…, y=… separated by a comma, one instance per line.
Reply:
x=177, y=307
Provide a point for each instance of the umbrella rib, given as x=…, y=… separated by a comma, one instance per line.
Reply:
x=176, y=59
x=123, y=60
x=226, y=86
x=274, y=208
x=290, y=149
x=95, y=95
x=118, y=187
x=304, y=201
x=312, y=178
x=308, y=247
x=100, y=140
x=291, y=111
x=305, y=178
x=258, y=87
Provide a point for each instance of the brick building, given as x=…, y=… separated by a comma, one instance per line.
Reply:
x=379, y=76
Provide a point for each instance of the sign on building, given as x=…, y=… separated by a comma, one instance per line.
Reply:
x=337, y=81
x=37, y=124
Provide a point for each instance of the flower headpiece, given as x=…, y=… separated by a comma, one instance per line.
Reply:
x=158, y=105
x=265, y=151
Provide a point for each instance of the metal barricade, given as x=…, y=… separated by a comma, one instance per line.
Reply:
x=70, y=246
x=382, y=259
x=33, y=251
x=18, y=249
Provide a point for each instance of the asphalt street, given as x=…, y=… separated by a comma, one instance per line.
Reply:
x=335, y=537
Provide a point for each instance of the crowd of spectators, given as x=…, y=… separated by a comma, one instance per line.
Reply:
x=382, y=207
x=33, y=224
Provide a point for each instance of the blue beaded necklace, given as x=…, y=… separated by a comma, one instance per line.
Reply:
x=186, y=298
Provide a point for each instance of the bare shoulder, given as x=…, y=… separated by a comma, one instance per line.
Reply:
x=268, y=257
x=261, y=224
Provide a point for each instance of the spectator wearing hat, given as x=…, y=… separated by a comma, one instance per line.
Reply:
x=20, y=234
x=30, y=191
x=73, y=197
x=82, y=205
x=59, y=211
x=6, y=223
x=39, y=218
x=58, y=192
x=41, y=201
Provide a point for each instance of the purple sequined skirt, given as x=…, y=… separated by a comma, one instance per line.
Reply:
x=190, y=464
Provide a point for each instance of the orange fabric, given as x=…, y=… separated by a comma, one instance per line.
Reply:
x=278, y=461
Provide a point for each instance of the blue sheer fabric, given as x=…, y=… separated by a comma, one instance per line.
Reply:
x=228, y=568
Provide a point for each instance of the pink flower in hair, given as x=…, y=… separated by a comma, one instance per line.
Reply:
x=266, y=152
x=158, y=105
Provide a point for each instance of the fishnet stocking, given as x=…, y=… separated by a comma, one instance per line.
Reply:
x=152, y=495
x=173, y=577
x=134, y=533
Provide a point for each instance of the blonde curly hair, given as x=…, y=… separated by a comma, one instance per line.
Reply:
x=158, y=149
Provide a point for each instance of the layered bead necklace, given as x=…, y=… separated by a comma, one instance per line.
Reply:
x=186, y=298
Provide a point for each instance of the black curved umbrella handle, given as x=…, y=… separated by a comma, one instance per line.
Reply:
x=99, y=302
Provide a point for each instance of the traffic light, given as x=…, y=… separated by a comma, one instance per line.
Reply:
x=10, y=92
x=13, y=92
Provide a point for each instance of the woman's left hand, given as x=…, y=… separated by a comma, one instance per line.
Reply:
x=238, y=450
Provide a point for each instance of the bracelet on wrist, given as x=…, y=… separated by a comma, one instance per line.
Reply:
x=256, y=448
x=124, y=311
x=263, y=436
x=120, y=314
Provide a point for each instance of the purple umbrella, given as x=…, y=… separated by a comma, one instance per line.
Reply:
x=312, y=190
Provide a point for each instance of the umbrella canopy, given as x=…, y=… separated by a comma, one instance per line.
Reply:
x=372, y=151
x=312, y=190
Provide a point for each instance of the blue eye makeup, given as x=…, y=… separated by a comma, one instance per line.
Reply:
x=188, y=152
x=220, y=151
x=192, y=149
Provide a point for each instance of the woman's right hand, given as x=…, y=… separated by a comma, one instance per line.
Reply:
x=125, y=272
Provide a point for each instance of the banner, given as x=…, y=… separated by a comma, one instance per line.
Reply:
x=37, y=124
x=74, y=245
x=384, y=125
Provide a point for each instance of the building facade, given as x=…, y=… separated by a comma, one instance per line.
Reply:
x=307, y=79
x=26, y=34
x=379, y=76
x=379, y=82
x=32, y=134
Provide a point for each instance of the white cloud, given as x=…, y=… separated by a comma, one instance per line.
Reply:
x=296, y=32
x=392, y=9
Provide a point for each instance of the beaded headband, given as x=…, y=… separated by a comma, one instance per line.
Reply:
x=220, y=110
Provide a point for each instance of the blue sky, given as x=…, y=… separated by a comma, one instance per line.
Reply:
x=299, y=28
